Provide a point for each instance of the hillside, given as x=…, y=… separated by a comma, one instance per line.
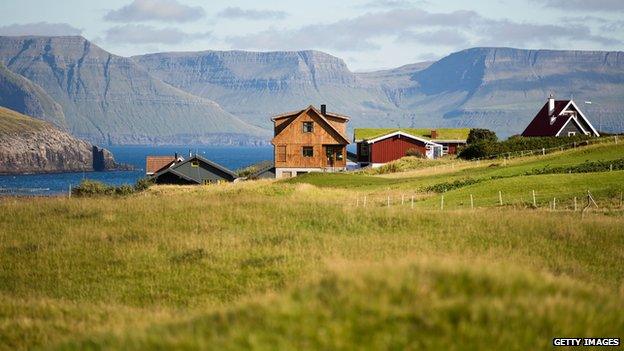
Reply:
x=20, y=94
x=29, y=145
x=258, y=85
x=496, y=88
x=110, y=99
x=220, y=270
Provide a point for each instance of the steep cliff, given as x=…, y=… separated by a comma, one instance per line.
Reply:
x=29, y=145
x=497, y=88
x=110, y=99
x=20, y=94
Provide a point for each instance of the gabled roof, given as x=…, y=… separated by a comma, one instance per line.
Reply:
x=153, y=164
x=173, y=169
x=402, y=133
x=261, y=167
x=457, y=135
x=545, y=124
x=297, y=113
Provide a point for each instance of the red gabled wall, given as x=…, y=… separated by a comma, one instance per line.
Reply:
x=394, y=148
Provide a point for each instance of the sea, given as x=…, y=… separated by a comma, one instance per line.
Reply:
x=232, y=157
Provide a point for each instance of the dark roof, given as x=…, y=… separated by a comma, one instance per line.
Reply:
x=190, y=159
x=261, y=167
x=541, y=124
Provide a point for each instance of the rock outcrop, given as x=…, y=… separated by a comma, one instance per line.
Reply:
x=29, y=145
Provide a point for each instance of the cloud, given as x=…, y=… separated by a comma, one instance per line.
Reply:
x=239, y=13
x=506, y=32
x=458, y=28
x=585, y=5
x=40, y=28
x=143, y=34
x=155, y=10
x=389, y=4
x=442, y=37
x=354, y=34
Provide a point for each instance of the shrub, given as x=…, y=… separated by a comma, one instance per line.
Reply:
x=123, y=190
x=518, y=143
x=91, y=188
x=478, y=135
x=414, y=153
x=143, y=184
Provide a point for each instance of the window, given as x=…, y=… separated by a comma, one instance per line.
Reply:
x=308, y=127
x=308, y=151
x=281, y=153
x=445, y=150
x=571, y=133
x=364, y=149
x=339, y=154
x=194, y=164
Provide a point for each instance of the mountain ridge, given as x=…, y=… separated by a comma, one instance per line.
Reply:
x=109, y=99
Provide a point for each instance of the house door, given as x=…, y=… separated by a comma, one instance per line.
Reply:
x=333, y=154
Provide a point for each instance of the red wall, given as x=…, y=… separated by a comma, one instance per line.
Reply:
x=394, y=148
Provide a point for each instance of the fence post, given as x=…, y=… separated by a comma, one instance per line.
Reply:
x=615, y=139
x=534, y=202
x=611, y=167
x=357, y=201
x=500, y=198
x=402, y=199
x=364, y=201
x=543, y=151
x=554, y=203
x=388, y=200
x=575, y=204
x=471, y=202
x=442, y=203
x=69, y=192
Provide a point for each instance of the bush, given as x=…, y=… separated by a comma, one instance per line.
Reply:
x=478, y=135
x=485, y=149
x=414, y=153
x=143, y=184
x=89, y=188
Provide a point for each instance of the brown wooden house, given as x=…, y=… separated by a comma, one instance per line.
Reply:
x=309, y=140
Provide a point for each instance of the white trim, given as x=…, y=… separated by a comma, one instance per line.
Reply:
x=386, y=136
x=582, y=116
x=280, y=170
x=451, y=141
x=571, y=118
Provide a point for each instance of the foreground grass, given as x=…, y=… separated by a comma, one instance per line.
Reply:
x=273, y=265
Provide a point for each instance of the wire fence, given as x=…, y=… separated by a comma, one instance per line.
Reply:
x=552, y=200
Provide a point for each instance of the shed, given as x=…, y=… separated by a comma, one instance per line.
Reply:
x=194, y=170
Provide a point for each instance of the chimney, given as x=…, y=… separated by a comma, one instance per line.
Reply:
x=551, y=105
x=434, y=134
x=324, y=109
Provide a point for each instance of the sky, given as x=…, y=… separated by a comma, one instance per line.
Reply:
x=367, y=34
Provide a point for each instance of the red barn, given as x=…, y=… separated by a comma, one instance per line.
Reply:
x=378, y=146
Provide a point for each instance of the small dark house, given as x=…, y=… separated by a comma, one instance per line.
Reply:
x=263, y=170
x=194, y=170
x=559, y=118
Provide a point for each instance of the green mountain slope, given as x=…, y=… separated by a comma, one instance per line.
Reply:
x=22, y=95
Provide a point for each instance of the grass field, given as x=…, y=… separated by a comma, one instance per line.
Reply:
x=294, y=265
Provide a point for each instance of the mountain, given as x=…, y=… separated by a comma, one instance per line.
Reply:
x=22, y=95
x=29, y=145
x=258, y=85
x=110, y=99
x=496, y=88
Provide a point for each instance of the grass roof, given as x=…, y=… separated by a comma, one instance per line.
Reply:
x=443, y=133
